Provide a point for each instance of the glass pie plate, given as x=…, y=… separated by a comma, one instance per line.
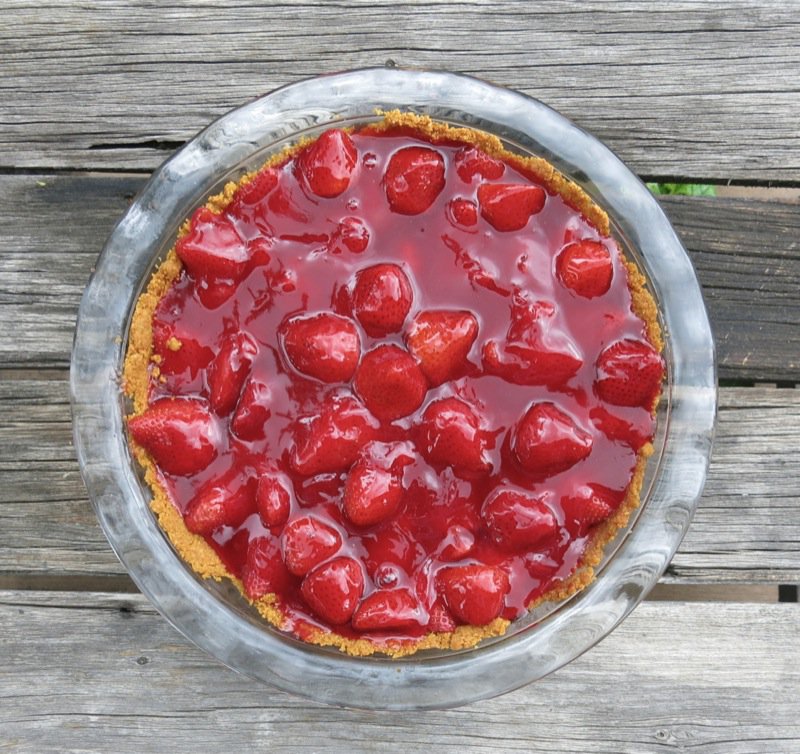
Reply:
x=214, y=615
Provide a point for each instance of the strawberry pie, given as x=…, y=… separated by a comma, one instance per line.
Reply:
x=398, y=386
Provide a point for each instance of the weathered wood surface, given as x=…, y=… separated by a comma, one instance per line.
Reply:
x=747, y=527
x=746, y=253
x=710, y=678
x=703, y=89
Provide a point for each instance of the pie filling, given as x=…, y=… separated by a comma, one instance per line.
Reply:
x=398, y=385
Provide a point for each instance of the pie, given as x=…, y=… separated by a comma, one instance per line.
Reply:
x=398, y=386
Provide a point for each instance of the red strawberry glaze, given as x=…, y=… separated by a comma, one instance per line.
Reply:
x=298, y=265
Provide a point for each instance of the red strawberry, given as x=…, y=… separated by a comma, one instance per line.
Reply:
x=535, y=351
x=264, y=571
x=306, y=542
x=451, y=435
x=629, y=373
x=585, y=268
x=390, y=382
x=414, y=178
x=387, y=608
x=474, y=594
x=589, y=505
x=509, y=206
x=518, y=520
x=212, y=247
x=333, y=589
x=324, y=346
x=381, y=299
x=328, y=164
x=179, y=433
x=440, y=621
x=548, y=441
x=252, y=411
x=463, y=212
x=440, y=341
x=471, y=161
x=330, y=440
x=374, y=489
x=253, y=192
x=213, y=292
x=273, y=499
x=220, y=503
x=351, y=234
x=228, y=371
x=634, y=432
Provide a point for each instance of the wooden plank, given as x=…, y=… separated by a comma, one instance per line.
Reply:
x=746, y=530
x=746, y=254
x=690, y=89
x=81, y=668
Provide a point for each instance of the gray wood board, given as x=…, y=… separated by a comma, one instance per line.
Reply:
x=84, y=671
x=746, y=254
x=746, y=530
x=705, y=90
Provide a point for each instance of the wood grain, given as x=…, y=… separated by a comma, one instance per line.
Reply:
x=710, y=678
x=746, y=530
x=54, y=226
x=707, y=90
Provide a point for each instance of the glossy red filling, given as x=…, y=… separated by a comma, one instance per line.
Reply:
x=397, y=384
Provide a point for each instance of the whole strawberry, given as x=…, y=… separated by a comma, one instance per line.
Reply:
x=381, y=299
x=509, y=206
x=220, y=502
x=629, y=373
x=450, y=434
x=273, y=498
x=179, y=433
x=474, y=594
x=440, y=341
x=548, y=441
x=414, y=178
x=228, y=371
x=212, y=247
x=589, y=505
x=585, y=268
x=385, y=609
x=390, y=382
x=333, y=589
x=519, y=520
x=306, y=542
x=471, y=161
x=264, y=571
x=252, y=411
x=329, y=163
x=324, y=346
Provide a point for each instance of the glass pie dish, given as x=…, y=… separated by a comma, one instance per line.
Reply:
x=214, y=615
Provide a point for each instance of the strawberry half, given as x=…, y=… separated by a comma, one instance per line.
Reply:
x=585, y=268
x=273, y=499
x=589, y=505
x=179, y=433
x=374, y=488
x=306, y=542
x=518, y=520
x=220, y=502
x=212, y=247
x=382, y=297
x=463, y=212
x=471, y=161
x=414, y=178
x=509, y=206
x=474, y=594
x=390, y=382
x=252, y=411
x=450, y=434
x=547, y=441
x=324, y=346
x=330, y=440
x=333, y=589
x=629, y=373
x=264, y=571
x=440, y=341
x=328, y=164
x=351, y=234
x=228, y=371
x=387, y=608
